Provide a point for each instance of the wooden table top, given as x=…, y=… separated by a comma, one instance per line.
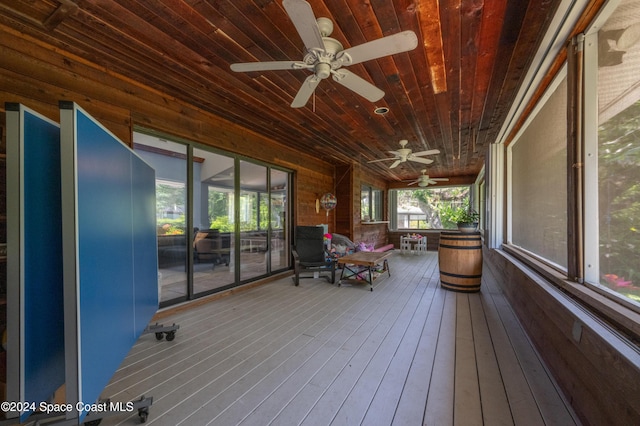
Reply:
x=365, y=258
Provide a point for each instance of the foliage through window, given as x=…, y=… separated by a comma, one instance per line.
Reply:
x=429, y=208
x=619, y=158
x=370, y=204
x=170, y=202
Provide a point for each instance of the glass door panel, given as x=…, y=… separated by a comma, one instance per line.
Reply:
x=169, y=159
x=254, y=220
x=213, y=221
x=279, y=249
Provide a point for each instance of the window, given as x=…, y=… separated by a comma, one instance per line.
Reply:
x=538, y=182
x=370, y=204
x=617, y=198
x=428, y=208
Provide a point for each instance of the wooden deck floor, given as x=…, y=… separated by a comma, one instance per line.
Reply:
x=408, y=353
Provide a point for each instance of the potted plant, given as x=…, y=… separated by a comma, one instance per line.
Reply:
x=467, y=219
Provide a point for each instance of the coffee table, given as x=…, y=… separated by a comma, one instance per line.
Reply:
x=363, y=261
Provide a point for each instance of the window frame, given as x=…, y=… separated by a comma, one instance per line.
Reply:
x=542, y=102
x=375, y=204
x=393, y=205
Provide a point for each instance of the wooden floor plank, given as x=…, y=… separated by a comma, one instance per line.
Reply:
x=440, y=398
x=467, y=407
x=355, y=405
x=357, y=354
x=315, y=350
x=552, y=405
x=521, y=401
x=495, y=406
x=382, y=408
x=413, y=399
x=220, y=381
x=195, y=352
x=408, y=353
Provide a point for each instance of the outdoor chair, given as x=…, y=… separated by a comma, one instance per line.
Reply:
x=309, y=254
x=208, y=247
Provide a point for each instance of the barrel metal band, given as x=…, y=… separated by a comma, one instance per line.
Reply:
x=459, y=276
x=461, y=287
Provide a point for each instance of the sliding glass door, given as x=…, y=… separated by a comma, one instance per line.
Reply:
x=222, y=220
x=254, y=220
x=279, y=248
x=213, y=221
x=169, y=159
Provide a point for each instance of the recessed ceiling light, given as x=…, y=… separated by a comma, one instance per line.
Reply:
x=381, y=110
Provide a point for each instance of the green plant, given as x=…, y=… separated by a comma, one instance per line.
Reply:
x=465, y=215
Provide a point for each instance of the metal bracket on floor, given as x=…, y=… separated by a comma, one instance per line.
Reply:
x=160, y=330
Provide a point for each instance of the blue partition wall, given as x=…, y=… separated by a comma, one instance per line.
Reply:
x=35, y=368
x=109, y=226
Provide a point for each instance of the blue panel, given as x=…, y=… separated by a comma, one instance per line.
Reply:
x=145, y=242
x=117, y=255
x=43, y=333
x=105, y=249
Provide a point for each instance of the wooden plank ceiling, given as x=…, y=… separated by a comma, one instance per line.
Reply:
x=451, y=93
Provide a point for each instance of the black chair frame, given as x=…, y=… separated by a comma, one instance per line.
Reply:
x=309, y=254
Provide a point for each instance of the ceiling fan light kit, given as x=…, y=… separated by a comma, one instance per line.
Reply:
x=326, y=56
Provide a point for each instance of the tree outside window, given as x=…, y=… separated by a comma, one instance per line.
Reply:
x=429, y=208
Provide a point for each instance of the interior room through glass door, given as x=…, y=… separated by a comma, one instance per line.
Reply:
x=169, y=159
x=213, y=221
x=254, y=220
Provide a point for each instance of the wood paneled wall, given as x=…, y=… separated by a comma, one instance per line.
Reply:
x=592, y=364
x=349, y=181
x=372, y=233
x=38, y=76
x=344, y=194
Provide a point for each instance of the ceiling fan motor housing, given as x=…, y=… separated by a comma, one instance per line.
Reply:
x=324, y=59
x=323, y=70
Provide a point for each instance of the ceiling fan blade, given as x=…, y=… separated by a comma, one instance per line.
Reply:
x=429, y=152
x=359, y=85
x=420, y=160
x=305, y=92
x=385, y=46
x=395, y=164
x=440, y=179
x=304, y=20
x=382, y=159
x=413, y=183
x=267, y=66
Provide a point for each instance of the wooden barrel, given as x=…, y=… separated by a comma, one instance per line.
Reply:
x=460, y=261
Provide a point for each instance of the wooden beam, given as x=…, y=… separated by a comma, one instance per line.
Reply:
x=66, y=9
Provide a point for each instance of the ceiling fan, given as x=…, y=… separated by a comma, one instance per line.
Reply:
x=404, y=154
x=326, y=56
x=424, y=180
